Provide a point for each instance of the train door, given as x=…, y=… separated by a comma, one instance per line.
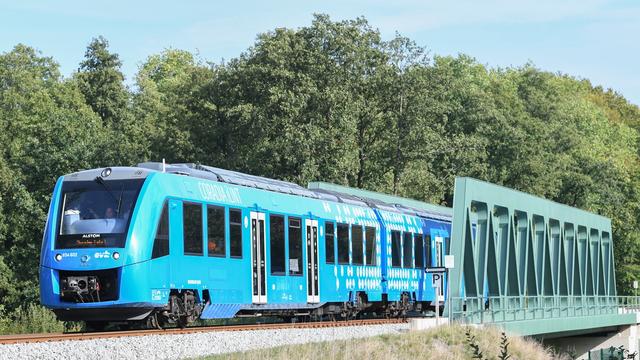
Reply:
x=160, y=265
x=175, y=242
x=439, y=258
x=258, y=259
x=312, y=261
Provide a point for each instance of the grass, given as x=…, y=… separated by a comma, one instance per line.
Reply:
x=32, y=319
x=444, y=342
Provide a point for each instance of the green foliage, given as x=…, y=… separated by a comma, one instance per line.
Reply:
x=32, y=319
x=101, y=82
x=615, y=353
x=473, y=344
x=331, y=101
x=504, y=347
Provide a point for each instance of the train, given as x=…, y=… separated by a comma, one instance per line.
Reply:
x=172, y=243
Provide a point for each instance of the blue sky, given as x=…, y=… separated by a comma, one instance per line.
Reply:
x=594, y=39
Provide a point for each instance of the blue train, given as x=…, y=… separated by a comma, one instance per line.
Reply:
x=173, y=243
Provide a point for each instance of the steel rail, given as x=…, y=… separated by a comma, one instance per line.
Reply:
x=34, y=338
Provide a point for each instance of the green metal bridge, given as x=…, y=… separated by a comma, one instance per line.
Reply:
x=532, y=266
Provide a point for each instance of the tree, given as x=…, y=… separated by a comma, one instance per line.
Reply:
x=46, y=130
x=171, y=120
x=330, y=101
x=101, y=82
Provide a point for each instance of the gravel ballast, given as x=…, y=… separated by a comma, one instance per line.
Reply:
x=188, y=345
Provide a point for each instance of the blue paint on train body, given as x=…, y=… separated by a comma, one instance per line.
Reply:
x=143, y=282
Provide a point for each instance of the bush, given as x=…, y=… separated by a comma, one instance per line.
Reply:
x=32, y=319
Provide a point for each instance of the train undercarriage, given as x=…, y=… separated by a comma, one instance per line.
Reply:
x=184, y=308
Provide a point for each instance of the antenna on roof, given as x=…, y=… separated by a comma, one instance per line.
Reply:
x=164, y=166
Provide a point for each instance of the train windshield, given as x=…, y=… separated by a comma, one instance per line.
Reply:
x=96, y=214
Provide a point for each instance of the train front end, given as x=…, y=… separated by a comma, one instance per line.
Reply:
x=88, y=255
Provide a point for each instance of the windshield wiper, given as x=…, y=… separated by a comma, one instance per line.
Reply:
x=120, y=201
x=100, y=181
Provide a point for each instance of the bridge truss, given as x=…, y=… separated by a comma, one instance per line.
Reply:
x=530, y=264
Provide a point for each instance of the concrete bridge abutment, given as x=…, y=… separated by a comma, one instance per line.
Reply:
x=598, y=343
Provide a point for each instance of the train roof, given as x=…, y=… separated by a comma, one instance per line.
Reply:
x=385, y=201
x=315, y=190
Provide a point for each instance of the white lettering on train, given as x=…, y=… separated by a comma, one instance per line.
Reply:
x=212, y=192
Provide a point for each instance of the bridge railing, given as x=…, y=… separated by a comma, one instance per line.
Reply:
x=517, y=308
x=629, y=303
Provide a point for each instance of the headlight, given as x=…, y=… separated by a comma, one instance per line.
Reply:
x=116, y=255
x=58, y=257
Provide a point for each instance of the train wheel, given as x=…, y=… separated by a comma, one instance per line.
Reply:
x=153, y=321
x=183, y=321
x=96, y=325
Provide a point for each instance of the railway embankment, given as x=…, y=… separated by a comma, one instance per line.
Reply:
x=362, y=339
x=443, y=342
x=169, y=345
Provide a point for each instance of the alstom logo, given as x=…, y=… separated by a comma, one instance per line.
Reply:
x=90, y=236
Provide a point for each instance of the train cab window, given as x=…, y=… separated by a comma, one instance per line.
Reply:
x=161, y=242
x=295, y=246
x=343, y=243
x=419, y=244
x=276, y=242
x=407, y=250
x=370, y=244
x=235, y=233
x=100, y=208
x=329, y=243
x=192, y=222
x=395, y=249
x=215, y=231
x=356, y=245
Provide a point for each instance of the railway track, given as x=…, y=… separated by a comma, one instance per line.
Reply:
x=33, y=338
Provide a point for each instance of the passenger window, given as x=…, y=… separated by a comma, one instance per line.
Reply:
x=343, y=243
x=370, y=236
x=192, y=220
x=329, y=243
x=407, y=250
x=395, y=249
x=161, y=242
x=356, y=244
x=215, y=231
x=295, y=247
x=276, y=241
x=419, y=243
x=235, y=232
